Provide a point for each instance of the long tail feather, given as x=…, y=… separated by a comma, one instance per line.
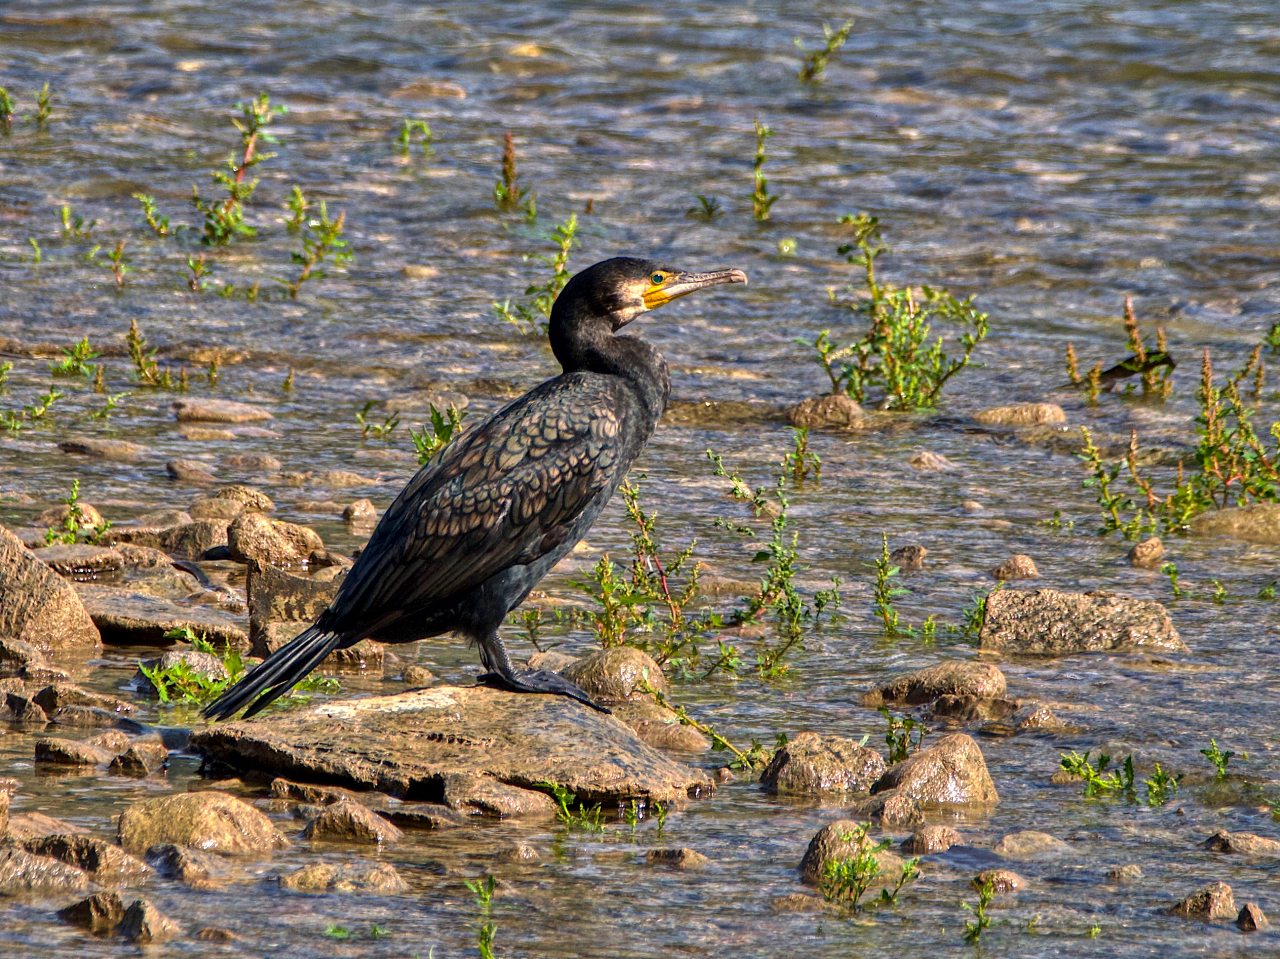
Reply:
x=275, y=675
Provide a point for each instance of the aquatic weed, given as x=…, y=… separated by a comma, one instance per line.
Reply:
x=119, y=264
x=196, y=282
x=708, y=208
x=322, y=240
x=145, y=368
x=572, y=813
x=801, y=461
x=1118, y=780
x=1160, y=787
x=815, y=61
x=885, y=589
x=845, y=881
x=44, y=107
x=73, y=225
x=5, y=369
x=531, y=317
x=6, y=109
x=224, y=217
x=974, y=929
x=444, y=426
x=507, y=195
x=761, y=200
x=910, y=873
x=1218, y=758
x=1170, y=570
x=482, y=889
x=379, y=431
x=904, y=735
x=75, y=360
x=110, y=405
x=422, y=130
x=159, y=224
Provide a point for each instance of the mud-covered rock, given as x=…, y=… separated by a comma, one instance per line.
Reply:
x=615, y=675
x=204, y=410
x=909, y=559
x=347, y=821
x=398, y=744
x=950, y=772
x=24, y=873
x=839, y=840
x=1251, y=918
x=139, y=619
x=1147, y=554
x=191, y=866
x=79, y=559
x=1048, y=622
x=99, y=913
x=144, y=924
x=1028, y=844
x=1017, y=566
x=373, y=877
x=1242, y=844
x=104, y=861
x=810, y=763
x=37, y=606
x=1214, y=901
x=1021, y=414
x=931, y=839
x=1255, y=523
x=254, y=536
x=682, y=859
x=1002, y=880
x=471, y=793
x=957, y=677
x=208, y=820
x=833, y=411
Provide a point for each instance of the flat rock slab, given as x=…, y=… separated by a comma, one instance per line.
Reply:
x=218, y=411
x=79, y=559
x=1048, y=622
x=408, y=743
x=1255, y=523
x=126, y=616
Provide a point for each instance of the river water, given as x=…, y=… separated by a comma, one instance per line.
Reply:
x=1050, y=158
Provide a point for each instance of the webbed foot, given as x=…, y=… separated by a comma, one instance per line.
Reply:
x=539, y=681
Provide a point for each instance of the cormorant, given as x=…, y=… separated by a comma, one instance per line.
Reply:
x=485, y=519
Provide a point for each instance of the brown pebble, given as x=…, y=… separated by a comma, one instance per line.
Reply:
x=1251, y=918
x=909, y=559
x=1147, y=554
x=1018, y=566
x=216, y=934
x=1002, y=880
x=725, y=775
x=1214, y=901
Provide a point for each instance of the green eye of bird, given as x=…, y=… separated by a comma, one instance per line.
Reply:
x=658, y=278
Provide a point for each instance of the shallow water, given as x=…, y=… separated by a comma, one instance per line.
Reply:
x=1050, y=162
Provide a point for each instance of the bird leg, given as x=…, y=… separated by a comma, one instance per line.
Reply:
x=501, y=675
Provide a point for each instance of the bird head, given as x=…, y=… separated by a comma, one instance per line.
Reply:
x=624, y=287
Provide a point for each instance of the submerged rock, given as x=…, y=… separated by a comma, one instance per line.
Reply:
x=1255, y=523
x=37, y=606
x=837, y=840
x=471, y=793
x=927, y=461
x=218, y=411
x=195, y=868
x=931, y=839
x=1017, y=566
x=1251, y=918
x=186, y=541
x=79, y=559
x=1048, y=622
x=103, y=860
x=189, y=471
x=1128, y=872
x=959, y=677
x=347, y=821
x=1028, y=843
x=1002, y=880
x=140, y=619
x=832, y=411
x=1242, y=843
x=403, y=744
x=1214, y=901
x=375, y=877
x=1022, y=414
x=683, y=859
x=710, y=414
x=208, y=820
x=417, y=676
x=71, y=752
x=254, y=536
x=118, y=451
x=815, y=764
x=950, y=772
x=143, y=924
x=360, y=512
x=99, y=913
x=659, y=727
x=909, y=559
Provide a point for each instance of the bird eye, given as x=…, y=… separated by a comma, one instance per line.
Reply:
x=658, y=278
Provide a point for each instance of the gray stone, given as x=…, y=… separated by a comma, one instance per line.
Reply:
x=417, y=676
x=931, y=839
x=395, y=743
x=140, y=619
x=948, y=773
x=1129, y=872
x=57, y=515
x=218, y=411
x=374, y=877
x=252, y=462
x=162, y=519
x=833, y=411
x=144, y=924
x=253, y=536
x=1214, y=901
x=37, y=606
x=71, y=752
x=1021, y=414
x=810, y=763
x=58, y=695
x=1255, y=523
x=347, y=821
x=119, y=451
x=1028, y=844
x=16, y=654
x=659, y=727
x=79, y=559
x=22, y=873
x=208, y=820
x=143, y=756
x=211, y=507
x=1048, y=622
x=253, y=500
x=957, y=677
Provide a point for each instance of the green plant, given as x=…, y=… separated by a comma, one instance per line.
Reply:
x=5, y=369
x=801, y=461
x=973, y=929
x=1268, y=591
x=1155, y=366
x=380, y=431
x=322, y=240
x=1218, y=758
x=212, y=371
x=44, y=107
x=405, y=140
x=6, y=109
x=110, y=405
x=1219, y=591
x=761, y=200
x=894, y=363
x=572, y=813
x=1272, y=339
x=507, y=195
x=1170, y=570
x=298, y=205
x=444, y=426
x=660, y=810
x=1118, y=780
x=119, y=264
x=145, y=368
x=73, y=224
x=287, y=385
x=482, y=889
x=179, y=684
x=75, y=360
x=196, y=282
x=976, y=612
x=708, y=208
x=1114, y=504
x=337, y=932
x=224, y=217
x=885, y=589
x=757, y=757
x=845, y=881
x=910, y=873
x=38, y=409
x=531, y=317
x=815, y=61
x=35, y=245
x=485, y=939
x=159, y=224
x=73, y=524
x=1160, y=787
x=904, y=735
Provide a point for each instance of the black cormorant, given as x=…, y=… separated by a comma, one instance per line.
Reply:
x=492, y=512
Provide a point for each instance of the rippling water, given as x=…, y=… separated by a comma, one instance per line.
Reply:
x=1049, y=158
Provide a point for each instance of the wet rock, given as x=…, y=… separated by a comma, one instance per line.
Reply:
x=959, y=677
x=200, y=869
x=162, y=519
x=362, y=511
x=1129, y=872
x=1251, y=918
x=92, y=717
x=104, y=861
x=253, y=536
x=1147, y=554
x=32, y=825
x=951, y=772
x=813, y=764
x=347, y=821
x=251, y=499
x=15, y=654
x=1028, y=844
x=833, y=411
x=215, y=934
x=80, y=559
x=1017, y=566
x=143, y=923
x=909, y=559
x=1242, y=844
x=1048, y=622
x=327, y=558
x=1038, y=717
x=683, y=859
x=189, y=471
x=21, y=707
x=837, y=841
x=188, y=541
x=471, y=793
x=1214, y=901
x=118, y=451
x=114, y=741
x=23, y=873
x=323, y=795
x=218, y=411
x=214, y=508
x=387, y=457
x=932, y=462
x=1002, y=880
x=723, y=414
x=143, y=756
x=71, y=752
x=968, y=709
x=374, y=877
x=31, y=537
x=659, y=728
x=37, y=606
x=252, y=462
x=931, y=839
x=140, y=619
x=972, y=506
x=364, y=655
x=797, y=902
x=203, y=664
x=890, y=808
x=424, y=815
x=1255, y=523
x=57, y=515
x=55, y=696
x=552, y=660
x=282, y=604
x=208, y=820
x=417, y=676
x=99, y=913
x=519, y=853
x=392, y=743
x=614, y=675
x=1022, y=414
x=339, y=479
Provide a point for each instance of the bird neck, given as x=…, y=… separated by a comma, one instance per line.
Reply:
x=593, y=347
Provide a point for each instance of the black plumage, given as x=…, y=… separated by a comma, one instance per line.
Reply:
x=483, y=521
